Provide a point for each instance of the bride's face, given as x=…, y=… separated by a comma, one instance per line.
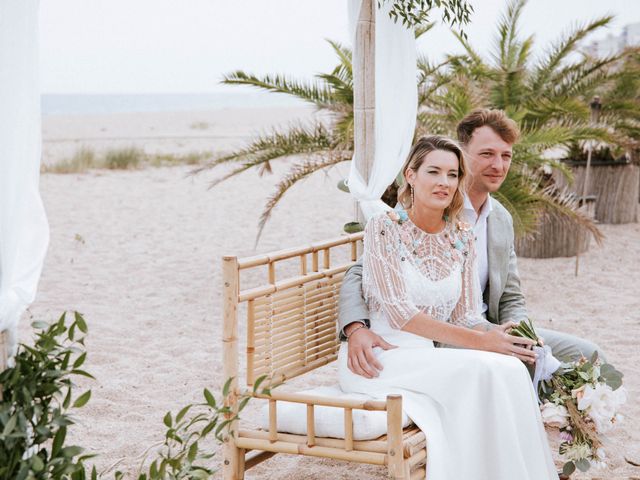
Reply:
x=435, y=181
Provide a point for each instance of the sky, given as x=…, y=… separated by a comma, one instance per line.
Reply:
x=185, y=46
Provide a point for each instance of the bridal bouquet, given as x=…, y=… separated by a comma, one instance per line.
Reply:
x=580, y=398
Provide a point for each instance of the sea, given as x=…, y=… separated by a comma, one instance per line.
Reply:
x=82, y=104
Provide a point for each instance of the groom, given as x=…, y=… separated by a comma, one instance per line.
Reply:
x=487, y=137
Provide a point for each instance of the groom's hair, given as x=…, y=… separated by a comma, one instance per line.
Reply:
x=495, y=119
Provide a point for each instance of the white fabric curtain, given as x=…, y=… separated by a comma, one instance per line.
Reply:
x=24, y=231
x=396, y=105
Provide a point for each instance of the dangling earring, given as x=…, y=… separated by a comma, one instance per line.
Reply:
x=413, y=201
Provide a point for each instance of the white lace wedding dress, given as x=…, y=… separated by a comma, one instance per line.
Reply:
x=477, y=409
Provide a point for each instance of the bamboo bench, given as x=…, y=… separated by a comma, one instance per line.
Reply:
x=291, y=327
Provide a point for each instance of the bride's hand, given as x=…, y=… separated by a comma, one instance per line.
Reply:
x=498, y=340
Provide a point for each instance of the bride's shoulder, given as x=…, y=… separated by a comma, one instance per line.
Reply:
x=463, y=233
x=386, y=221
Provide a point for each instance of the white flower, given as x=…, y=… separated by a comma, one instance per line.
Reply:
x=554, y=415
x=578, y=393
x=601, y=404
x=577, y=451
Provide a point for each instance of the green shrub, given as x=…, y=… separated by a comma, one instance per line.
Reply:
x=37, y=395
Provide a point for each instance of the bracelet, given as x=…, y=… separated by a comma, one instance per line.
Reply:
x=362, y=325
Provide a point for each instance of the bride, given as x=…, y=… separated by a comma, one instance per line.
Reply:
x=476, y=405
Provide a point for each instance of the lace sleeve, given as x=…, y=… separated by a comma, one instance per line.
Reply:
x=382, y=276
x=468, y=310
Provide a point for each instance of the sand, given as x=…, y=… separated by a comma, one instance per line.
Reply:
x=138, y=253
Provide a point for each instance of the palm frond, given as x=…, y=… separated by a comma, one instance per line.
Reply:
x=508, y=34
x=422, y=29
x=316, y=93
x=345, y=55
x=559, y=51
x=299, y=172
x=565, y=206
x=298, y=140
x=474, y=56
x=559, y=135
x=585, y=79
x=528, y=202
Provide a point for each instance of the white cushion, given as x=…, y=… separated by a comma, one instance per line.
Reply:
x=329, y=421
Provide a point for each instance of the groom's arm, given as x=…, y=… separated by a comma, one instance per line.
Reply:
x=351, y=305
x=352, y=314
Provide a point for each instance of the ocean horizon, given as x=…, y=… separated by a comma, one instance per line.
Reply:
x=96, y=104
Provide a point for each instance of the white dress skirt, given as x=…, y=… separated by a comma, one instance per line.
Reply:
x=477, y=409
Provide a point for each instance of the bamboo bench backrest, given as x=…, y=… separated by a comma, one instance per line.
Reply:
x=291, y=321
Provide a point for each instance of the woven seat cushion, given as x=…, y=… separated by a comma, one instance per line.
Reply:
x=329, y=421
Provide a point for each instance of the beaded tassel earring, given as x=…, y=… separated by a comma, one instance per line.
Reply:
x=413, y=202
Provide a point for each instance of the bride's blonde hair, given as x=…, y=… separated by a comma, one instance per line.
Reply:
x=419, y=151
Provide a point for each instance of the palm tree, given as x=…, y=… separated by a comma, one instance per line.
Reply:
x=548, y=98
x=321, y=145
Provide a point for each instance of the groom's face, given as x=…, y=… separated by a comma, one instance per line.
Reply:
x=489, y=159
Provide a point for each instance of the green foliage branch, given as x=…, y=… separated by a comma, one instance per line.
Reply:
x=37, y=398
x=38, y=395
x=415, y=13
x=184, y=454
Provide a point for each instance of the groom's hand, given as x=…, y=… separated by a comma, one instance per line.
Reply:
x=362, y=360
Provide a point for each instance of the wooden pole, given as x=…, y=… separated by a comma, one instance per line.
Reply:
x=3, y=351
x=231, y=453
x=364, y=99
x=596, y=106
x=394, y=437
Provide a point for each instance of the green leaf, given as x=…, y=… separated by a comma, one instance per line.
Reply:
x=67, y=399
x=82, y=325
x=80, y=360
x=82, y=400
x=243, y=403
x=77, y=371
x=227, y=387
x=10, y=425
x=36, y=463
x=182, y=413
x=210, y=426
x=39, y=325
x=211, y=401
x=72, y=451
x=168, y=421
x=193, y=451
x=258, y=382
x=583, y=464
x=58, y=441
x=568, y=468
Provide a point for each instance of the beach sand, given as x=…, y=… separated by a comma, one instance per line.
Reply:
x=139, y=254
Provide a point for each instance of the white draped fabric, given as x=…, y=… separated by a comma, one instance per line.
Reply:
x=24, y=231
x=396, y=104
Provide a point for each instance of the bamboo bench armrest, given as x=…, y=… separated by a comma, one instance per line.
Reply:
x=379, y=405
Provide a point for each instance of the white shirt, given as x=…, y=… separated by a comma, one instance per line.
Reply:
x=479, y=224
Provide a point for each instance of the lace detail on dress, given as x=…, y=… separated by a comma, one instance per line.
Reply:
x=406, y=270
